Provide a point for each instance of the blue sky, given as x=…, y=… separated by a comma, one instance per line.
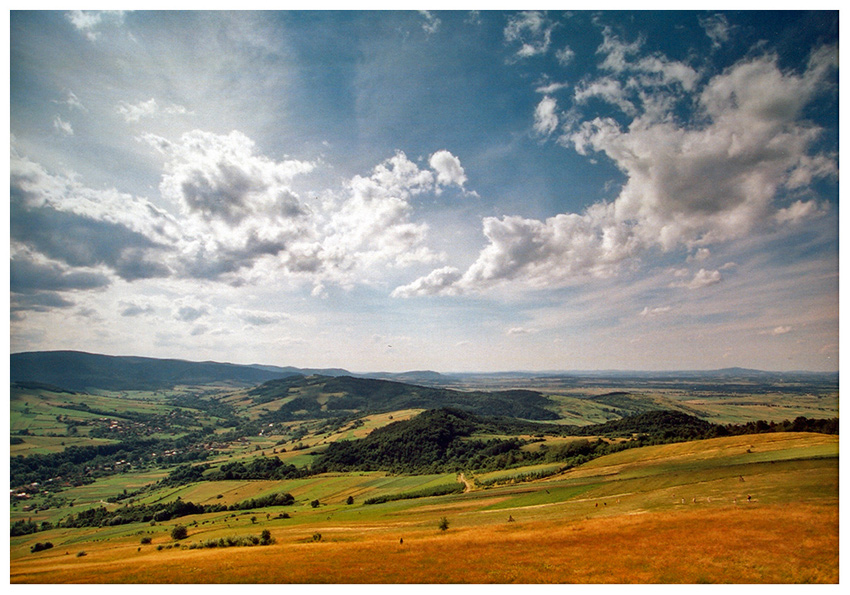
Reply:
x=457, y=191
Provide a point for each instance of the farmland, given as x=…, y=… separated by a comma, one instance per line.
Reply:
x=361, y=480
x=669, y=513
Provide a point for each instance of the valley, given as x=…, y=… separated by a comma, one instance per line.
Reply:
x=366, y=480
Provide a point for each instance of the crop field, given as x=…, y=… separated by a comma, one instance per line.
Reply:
x=743, y=509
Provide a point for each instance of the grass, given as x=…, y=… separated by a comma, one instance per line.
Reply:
x=618, y=519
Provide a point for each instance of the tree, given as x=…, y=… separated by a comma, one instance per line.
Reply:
x=315, y=503
x=350, y=500
x=179, y=532
x=444, y=524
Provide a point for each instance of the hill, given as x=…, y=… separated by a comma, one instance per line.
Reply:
x=326, y=396
x=80, y=371
x=451, y=440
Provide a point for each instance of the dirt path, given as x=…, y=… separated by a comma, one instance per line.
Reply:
x=469, y=485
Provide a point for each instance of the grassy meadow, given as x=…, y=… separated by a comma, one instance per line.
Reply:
x=744, y=509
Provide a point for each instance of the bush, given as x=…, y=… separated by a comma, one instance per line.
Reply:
x=146, y=540
x=444, y=524
x=179, y=532
x=38, y=547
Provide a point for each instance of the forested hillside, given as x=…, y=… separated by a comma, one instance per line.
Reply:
x=325, y=396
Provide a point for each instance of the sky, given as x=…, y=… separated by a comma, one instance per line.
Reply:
x=446, y=190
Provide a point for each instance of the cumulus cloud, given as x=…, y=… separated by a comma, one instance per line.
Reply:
x=688, y=184
x=131, y=309
x=68, y=223
x=221, y=177
x=234, y=217
x=447, y=168
x=532, y=30
x=702, y=278
x=437, y=281
x=372, y=224
x=28, y=275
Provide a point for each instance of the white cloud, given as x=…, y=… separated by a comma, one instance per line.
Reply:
x=532, y=30
x=704, y=278
x=520, y=330
x=72, y=101
x=238, y=219
x=653, y=70
x=700, y=255
x=431, y=24
x=62, y=126
x=551, y=88
x=546, y=116
x=565, y=55
x=656, y=311
x=777, y=331
x=687, y=185
x=798, y=211
x=145, y=109
x=717, y=28
x=606, y=89
x=372, y=223
x=437, y=281
x=448, y=168
x=88, y=21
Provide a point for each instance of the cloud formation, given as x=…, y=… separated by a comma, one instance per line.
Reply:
x=90, y=21
x=235, y=218
x=133, y=112
x=688, y=184
x=532, y=30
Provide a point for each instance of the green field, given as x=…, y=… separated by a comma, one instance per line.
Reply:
x=791, y=477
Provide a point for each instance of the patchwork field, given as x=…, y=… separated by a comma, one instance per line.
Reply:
x=744, y=509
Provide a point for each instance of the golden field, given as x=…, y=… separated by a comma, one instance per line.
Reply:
x=675, y=513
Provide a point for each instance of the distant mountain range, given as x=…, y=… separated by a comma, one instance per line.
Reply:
x=80, y=371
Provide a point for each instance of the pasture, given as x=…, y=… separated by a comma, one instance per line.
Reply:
x=744, y=509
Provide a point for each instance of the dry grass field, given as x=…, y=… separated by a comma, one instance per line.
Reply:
x=675, y=513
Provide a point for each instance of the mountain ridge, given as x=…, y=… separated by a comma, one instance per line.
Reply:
x=81, y=370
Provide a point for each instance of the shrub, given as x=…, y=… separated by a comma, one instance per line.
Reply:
x=146, y=540
x=38, y=547
x=179, y=532
x=444, y=524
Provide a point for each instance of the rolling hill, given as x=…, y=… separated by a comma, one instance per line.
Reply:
x=326, y=396
x=80, y=371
